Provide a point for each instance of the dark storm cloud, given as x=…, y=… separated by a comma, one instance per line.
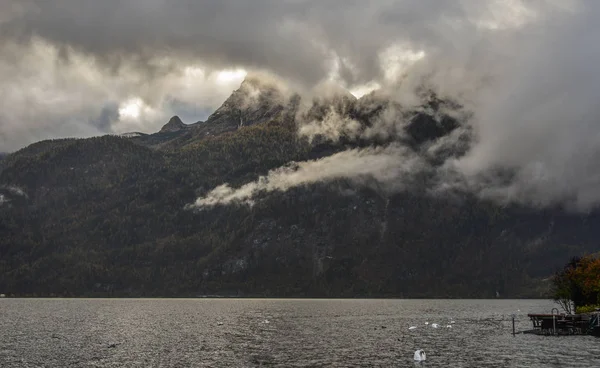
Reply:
x=218, y=32
x=294, y=38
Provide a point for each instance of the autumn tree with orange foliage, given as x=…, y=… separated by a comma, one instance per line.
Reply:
x=577, y=286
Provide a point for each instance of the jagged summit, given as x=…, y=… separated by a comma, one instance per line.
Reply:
x=259, y=100
x=174, y=125
x=253, y=102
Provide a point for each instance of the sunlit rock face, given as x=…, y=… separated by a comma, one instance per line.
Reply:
x=254, y=102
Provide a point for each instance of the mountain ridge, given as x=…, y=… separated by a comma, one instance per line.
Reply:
x=111, y=216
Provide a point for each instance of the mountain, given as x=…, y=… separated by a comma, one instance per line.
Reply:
x=254, y=102
x=111, y=216
x=174, y=125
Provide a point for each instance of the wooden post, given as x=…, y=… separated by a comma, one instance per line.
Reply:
x=554, y=320
x=513, y=324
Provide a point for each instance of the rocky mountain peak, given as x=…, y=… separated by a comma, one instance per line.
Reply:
x=174, y=125
x=253, y=102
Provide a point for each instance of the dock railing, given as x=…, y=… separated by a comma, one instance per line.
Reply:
x=557, y=323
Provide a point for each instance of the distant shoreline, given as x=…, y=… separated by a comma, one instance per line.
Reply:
x=260, y=298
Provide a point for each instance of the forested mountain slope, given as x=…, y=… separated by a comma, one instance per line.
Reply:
x=118, y=216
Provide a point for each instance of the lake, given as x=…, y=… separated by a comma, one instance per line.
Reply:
x=280, y=333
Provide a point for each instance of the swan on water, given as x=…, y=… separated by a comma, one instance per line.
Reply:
x=426, y=323
x=412, y=328
x=420, y=355
x=449, y=326
x=435, y=325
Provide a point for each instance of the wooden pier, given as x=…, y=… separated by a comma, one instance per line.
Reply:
x=565, y=324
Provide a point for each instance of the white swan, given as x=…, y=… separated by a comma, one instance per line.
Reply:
x=426, y=323
x=412, y=328
x=448, y=326
x=420, y=355
x=435, y=325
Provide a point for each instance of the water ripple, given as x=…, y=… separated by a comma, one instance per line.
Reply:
x=279, y=333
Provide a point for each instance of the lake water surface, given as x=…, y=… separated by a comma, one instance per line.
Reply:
x=280, y=333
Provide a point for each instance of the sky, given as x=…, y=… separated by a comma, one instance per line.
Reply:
x=527, y=69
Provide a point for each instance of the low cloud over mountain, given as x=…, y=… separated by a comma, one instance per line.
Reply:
x=523, y=71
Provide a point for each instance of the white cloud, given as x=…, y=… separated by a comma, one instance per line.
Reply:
x=384, y=164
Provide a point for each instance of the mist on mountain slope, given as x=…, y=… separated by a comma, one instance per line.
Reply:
x=535, y=123
x=384, y=164
x=393, y=165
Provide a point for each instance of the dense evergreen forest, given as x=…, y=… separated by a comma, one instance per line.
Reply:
x=109, y=216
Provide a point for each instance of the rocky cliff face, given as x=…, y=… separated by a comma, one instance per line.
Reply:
x=254, y=102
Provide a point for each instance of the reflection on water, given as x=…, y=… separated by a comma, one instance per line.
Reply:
x=280, y=333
